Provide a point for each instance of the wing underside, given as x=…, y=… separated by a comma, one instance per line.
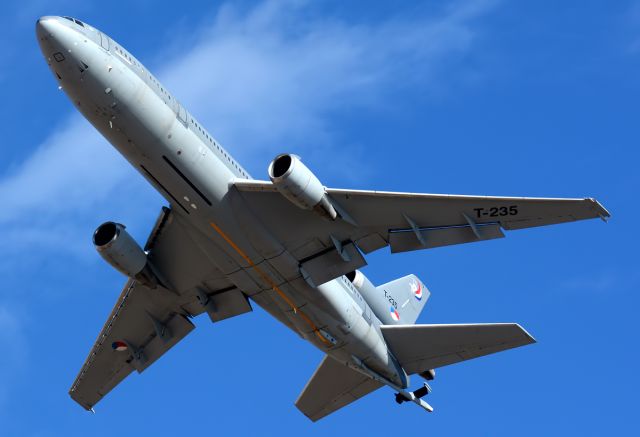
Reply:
x=370, y=220
x=140, y=329
x=145, y=323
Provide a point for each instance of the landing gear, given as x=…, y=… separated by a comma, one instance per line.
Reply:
x=407, y=395
x=418, y=394
x=429, y=375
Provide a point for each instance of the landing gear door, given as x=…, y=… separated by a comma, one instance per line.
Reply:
x=104, y=41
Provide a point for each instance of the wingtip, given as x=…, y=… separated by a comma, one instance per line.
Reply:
x=602, y=212
x=530, y=338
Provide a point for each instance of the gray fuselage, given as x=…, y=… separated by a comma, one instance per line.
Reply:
x=192, y=171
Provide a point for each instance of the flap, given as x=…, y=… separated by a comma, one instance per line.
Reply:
x=406, y=240
x=141, y=328
x=332, y=263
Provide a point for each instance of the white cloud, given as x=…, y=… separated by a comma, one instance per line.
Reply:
x=263, y=80
x=13, y=346
x=268, y=79
x=71, y=169
x=602, y=282
x=55, y=195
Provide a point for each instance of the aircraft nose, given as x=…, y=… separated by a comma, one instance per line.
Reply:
x=44, y=26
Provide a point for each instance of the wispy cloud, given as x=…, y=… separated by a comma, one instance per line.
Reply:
x=269, y=79
x=263, y=80
x=13, y=346
x=602, y=282
x=630, y=27
x=57, y=193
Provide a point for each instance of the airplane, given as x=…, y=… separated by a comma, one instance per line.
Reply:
x=288, y=244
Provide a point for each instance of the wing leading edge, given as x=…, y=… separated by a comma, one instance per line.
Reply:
x=370, y=220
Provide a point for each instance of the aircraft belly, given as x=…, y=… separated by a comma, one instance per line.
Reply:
x=175, y=160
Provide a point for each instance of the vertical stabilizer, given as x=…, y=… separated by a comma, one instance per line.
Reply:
x=398, y=302
x=407, y=297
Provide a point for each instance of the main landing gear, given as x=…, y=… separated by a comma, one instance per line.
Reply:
x=417, y=394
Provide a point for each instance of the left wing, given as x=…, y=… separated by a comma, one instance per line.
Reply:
x=370, y=220
x=145, y=323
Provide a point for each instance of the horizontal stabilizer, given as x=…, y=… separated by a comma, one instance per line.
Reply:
x=422, y=347
x=333, y=386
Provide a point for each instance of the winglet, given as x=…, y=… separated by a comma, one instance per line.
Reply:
x=602, y=211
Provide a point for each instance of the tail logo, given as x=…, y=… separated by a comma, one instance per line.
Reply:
x=394, y=314
x=119, y=346
x=416, y=289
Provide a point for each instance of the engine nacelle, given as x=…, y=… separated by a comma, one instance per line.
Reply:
x=300, y=186
x=122, y=252
x=374, y=297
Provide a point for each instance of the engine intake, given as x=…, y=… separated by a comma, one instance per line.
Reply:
x=300, y=186
x=375, y=297
x=122, y=252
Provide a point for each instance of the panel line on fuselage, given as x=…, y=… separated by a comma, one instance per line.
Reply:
x=186, y=179
x=164, y=188
x=272, y=283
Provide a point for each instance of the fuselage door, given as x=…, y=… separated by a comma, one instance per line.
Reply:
x=104, y=41
x=182, y=114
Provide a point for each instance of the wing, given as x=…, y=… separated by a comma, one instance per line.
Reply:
x=422, y=347
x=145, y=323
x=370, y=220
x=333, y=386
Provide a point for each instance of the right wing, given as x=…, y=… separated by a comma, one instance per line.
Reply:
x=370, y=220
x=422, y=347
x=333, y=386
x=145, y=323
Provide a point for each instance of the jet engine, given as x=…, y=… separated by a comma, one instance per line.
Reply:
x=120, y=250
x=374, y=297
x=300, y=186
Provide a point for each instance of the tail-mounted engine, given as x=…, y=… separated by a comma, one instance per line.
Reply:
x=120, y=250
x=299, y=185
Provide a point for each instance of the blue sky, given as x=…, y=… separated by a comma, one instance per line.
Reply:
x=469, y=97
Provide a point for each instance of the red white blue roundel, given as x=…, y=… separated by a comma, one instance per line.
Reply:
x=416, y=289
x=119, y=346
x=394, y=314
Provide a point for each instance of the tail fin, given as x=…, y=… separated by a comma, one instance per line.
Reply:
x=397, y=302
x=422, y=347
x=332, y=387
x=409, y=295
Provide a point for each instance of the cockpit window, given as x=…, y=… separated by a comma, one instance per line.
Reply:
x=73, y=20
